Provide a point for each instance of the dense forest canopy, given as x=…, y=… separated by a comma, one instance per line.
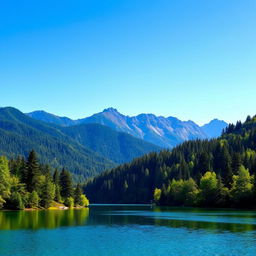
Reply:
x=27, y=183
x=218, y=172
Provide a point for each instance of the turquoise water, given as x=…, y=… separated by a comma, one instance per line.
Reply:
x=128, y=230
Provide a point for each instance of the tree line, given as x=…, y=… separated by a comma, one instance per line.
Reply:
x=212, y=173
x=26, y=183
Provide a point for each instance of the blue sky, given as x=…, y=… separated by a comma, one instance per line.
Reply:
x=190, y=59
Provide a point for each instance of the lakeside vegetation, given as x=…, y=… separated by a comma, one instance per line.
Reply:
x=26, y=183
x=203, y=173
x=209, y=173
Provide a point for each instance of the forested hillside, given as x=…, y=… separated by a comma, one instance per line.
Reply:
x=19, y=134
x=86, y=150
x=119, y=147
x=31, y=184
x=219, y=173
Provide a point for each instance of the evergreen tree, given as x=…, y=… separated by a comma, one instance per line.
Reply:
x=57, y=196
x=33, y=200
x=45, y=169
x=48, y=193
x=236, y=162
x=66, y=187
x=17, y=166
x=32, y=172
x=77, y=195
x=56, y=177
x=16, y=202
x=56, y=181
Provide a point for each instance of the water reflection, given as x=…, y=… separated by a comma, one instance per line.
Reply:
x=189, y=218
x=192, y=219
x=11, y=220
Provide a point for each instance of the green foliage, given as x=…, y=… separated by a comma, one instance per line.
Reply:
x=86, y=150
x=84, y=202
x=57, y=196
x=16, y=202
x=33, y=200
x=32, y=179
x=46, y=187
x=20, y=133
x=157, y=194
x=228, y=184
x=242, y=187
x=119, y=147
x=69, y=202
x=212, y=191
x=47, y=194
x=182, y=192
x=5, y=180
x=77, y=195
x=208, y=189
x=66, y=184
x=56, y=181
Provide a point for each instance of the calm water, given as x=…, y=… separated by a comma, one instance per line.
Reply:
x=128, y=230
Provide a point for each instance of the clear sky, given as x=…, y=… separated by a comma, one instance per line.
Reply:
x=193, y=59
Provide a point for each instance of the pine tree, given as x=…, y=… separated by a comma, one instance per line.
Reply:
x=45, y=169
x=56, y=181
x=236, y=162
x=66, y=187
x=56, y=177
x=48, y=193
x=77, y=195
x=32, y=172
x=57, y=196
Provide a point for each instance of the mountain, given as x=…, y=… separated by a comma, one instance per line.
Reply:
x=158, y=130
x=232, y=157
x=85, y=149
x=51, y=118
x=164, y=132
x=214, y=128
x=119, y=147
x=19, y=134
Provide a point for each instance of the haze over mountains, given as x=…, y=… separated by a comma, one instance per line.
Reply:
x=161, y=131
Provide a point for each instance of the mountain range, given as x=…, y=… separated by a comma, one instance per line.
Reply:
x=166, y=132
x=91, y=145
x=86, y=149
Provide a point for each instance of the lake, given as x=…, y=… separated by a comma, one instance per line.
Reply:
x=118, y=230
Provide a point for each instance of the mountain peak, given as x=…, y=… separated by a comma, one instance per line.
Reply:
x=112, y=110
x=216, y=120
x=213, y=128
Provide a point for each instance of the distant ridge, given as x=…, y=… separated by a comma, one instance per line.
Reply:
x=51, y=118
x=165, y=132
x=86, y=149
